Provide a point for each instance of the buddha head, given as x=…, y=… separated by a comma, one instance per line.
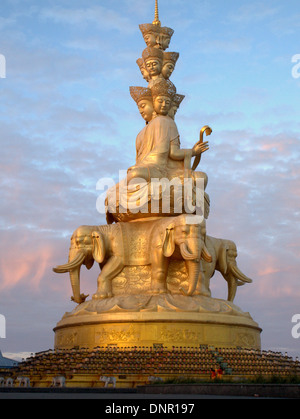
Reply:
x=163, y=94
x=156, y=36
x=166, y=35
x=150, y=33
x=153, y=59
x=143, y=98
x=141, y=64
x=177, y=99
x=169, y=62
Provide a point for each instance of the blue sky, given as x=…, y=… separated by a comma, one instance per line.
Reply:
x=67, y=120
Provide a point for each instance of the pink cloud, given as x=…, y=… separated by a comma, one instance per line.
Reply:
x=18, y=265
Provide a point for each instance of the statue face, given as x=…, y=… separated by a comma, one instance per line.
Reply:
x=146, y=109
x=167, y=69
x=162, y=105
x=145, y=73
x=153, y=66
x=165, y=41
x=172, y=111
x=150, y=39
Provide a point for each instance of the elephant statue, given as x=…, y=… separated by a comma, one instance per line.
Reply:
x=23, y=381
x=108, y=380
x=110, y=246
x=180, y=238
x=102, y=244
x=224, y=254
x=58, y=381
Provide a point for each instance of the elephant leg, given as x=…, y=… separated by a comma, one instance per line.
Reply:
x=110, y=270
x=203, y=285
x=159, y=271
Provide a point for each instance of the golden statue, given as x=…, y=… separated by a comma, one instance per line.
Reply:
x=155, y=258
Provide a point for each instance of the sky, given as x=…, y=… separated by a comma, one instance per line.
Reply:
x=67, y=120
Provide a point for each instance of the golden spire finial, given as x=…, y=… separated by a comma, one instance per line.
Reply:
x=156, y=17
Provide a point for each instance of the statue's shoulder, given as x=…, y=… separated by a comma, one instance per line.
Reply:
x=163, y=122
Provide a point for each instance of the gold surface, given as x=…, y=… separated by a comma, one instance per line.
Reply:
x=150, y=329
x=156, y=263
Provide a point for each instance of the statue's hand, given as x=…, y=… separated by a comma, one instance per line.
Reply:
x=200, y=148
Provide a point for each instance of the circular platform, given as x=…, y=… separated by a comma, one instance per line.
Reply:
x=151, y=321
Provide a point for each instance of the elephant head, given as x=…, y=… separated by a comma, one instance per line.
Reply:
x=226, y=264
x=86, y=246
x=189, y=236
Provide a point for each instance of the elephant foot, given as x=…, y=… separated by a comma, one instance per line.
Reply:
x=158, y=291
x=102, y=295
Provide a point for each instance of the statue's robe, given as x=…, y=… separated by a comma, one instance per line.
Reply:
x=153, y=144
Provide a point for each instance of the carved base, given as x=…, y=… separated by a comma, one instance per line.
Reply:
x=215, y=322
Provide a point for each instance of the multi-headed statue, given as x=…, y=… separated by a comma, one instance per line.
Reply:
x=142, y=231
x=154, y=256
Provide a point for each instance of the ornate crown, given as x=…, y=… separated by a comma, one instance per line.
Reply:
x=163, y=88
x=178, y=99
x=171, y=56
x=149, y=28
x=151, y=52
x=166, y=31
x=140, y=62
x=138, y=93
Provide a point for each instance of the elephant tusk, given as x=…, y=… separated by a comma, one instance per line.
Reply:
x=77, y=261
x=186, y=254
x=238, y=274
x=206, y=255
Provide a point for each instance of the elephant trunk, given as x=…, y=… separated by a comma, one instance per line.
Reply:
x=233, y=278
x=76, y=259
x=75, y=284
x=232, y=286
x=193, y=268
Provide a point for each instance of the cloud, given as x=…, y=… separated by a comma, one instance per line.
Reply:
x=67, y=120
x=253, y=13
x=102, y=17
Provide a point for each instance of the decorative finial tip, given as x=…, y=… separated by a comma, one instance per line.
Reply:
x=156, y=20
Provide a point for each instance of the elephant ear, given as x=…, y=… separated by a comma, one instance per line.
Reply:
x=168, y=242
x=222, y=260
x=98, y=247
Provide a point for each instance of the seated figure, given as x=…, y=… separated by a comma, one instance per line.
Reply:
x=160, y=150
x=158, y=155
